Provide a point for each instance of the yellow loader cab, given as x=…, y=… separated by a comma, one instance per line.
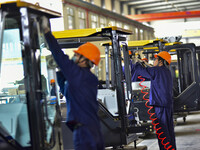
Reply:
x=28, y=119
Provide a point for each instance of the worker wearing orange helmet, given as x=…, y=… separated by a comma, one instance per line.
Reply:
x=53, y=87
x=80, y=92
x=161, y=95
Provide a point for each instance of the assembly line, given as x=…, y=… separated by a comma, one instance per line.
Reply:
x=92, y=88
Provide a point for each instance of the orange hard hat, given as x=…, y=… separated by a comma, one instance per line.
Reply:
x=52, y=81
x=145, y=59
x=130, y=52
x=165, y=55
x=90, y=51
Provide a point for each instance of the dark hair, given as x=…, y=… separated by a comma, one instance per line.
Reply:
x=165, y=63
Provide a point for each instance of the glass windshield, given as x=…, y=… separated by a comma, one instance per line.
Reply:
x=106, y=95
x=51, y=99
x=185, y=69
x=49, y=88
x=13, y=107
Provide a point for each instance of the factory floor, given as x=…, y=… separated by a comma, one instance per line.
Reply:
x=187, y=134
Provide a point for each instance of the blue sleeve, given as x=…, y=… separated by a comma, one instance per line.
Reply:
x=70, y=70
x=61, y=81
x=147, y=72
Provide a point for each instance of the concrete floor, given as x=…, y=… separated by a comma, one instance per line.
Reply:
x=187, y=134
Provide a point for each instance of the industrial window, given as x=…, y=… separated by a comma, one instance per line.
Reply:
x=70, y=18
x=82, y=21
x=92, y=1
x=103, y=22
x=103, y=4
x=94, y=21
x=126, y=27
x=112, y=22
x=113, y=5
x=141, y=34
x=145, y=35
x=149, y=35
x=119, y=24
x=121, y=8
x=136, y=33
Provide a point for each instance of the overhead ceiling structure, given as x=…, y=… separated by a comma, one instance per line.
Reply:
x=149, y=10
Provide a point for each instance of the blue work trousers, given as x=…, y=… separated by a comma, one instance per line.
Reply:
x=86, y=138
x=165, y=119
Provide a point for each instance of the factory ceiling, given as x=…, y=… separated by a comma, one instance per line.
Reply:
x=163, y=7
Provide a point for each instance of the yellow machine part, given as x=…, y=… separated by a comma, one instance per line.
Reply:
x=143, y=43
x=76, y=33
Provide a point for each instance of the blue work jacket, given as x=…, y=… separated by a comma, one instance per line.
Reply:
x=53, y=91
x=134, y=74
x=80, y=90
x=161, y=84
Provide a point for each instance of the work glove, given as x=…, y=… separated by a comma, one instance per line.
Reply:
x=44, y=24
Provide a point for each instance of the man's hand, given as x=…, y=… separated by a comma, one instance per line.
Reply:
x=147, y=64
x=143, y=63
x=139, y=60
x=45, y=24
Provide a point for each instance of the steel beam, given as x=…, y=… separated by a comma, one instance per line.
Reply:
x=164, y=16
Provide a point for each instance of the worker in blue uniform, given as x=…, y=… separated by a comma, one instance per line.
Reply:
x=161, y=95
x=80, y=92
x=53, y=87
